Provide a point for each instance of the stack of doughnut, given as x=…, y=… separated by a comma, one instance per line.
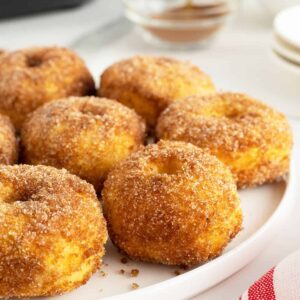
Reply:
x=66, y=153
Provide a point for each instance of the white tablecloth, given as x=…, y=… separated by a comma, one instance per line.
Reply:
x=239, y=60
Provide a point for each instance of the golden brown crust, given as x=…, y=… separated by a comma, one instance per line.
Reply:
x=247, y=135
x=171, y=203
x=148, y=84
x=34, y=76
x=8, y=142
x=47, y=247
x=85, y=135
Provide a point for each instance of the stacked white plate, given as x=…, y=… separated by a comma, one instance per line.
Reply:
x=287, y=35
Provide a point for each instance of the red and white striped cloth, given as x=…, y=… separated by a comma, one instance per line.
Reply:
x=280, y=283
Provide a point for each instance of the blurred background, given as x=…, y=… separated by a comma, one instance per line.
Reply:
x=250, y=46
x=236, y=41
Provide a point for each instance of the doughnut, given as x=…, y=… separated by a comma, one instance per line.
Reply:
x=171, y=203
x=34, y=76
x=149, y=84
x=52, y=231
x=250, y=137
x=8, y=142
x=85, y=135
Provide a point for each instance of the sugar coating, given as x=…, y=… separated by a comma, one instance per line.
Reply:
x=8, y=142
x=148, y=84
x=252, y=138
x=51, y=231
x=34, y=76
x=86, y=135
x=171, y=203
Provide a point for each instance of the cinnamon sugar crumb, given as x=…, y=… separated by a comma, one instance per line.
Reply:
x=124, y=260
x=134, y=272
x=103, y=274
x=185, y=267
x=134, y=286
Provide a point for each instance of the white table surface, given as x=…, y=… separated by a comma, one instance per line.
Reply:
x=239, y=60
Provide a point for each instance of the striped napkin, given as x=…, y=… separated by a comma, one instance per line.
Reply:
x=280, y=283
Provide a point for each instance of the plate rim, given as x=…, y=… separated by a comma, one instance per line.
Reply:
x=286, y=201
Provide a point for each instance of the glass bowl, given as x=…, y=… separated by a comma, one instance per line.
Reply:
x=179, y=23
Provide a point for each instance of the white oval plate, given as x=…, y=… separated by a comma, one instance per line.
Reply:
x=265, y=208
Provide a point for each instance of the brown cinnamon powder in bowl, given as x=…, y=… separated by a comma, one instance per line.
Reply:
x=186, y=15
x=185, y=25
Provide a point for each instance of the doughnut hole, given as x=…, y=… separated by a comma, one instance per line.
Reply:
x=250, y=137
x=183, y=214
x=87, y=136
x=33, y=61
x=47, y=247
x=169, y=166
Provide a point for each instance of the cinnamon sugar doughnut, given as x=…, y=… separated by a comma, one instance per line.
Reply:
x=51, y=231
x=149, y=84
x=8, y=142
x=253, y=139
x=86, y=135
x=171, y=203
x=34, y=76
